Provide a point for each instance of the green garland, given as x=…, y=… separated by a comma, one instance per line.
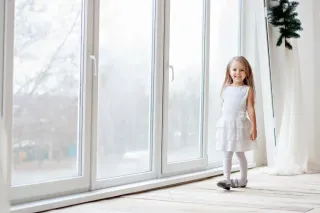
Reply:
x=283, y=16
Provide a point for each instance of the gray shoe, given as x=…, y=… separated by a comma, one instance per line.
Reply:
x=235, y=183
x=224, y=184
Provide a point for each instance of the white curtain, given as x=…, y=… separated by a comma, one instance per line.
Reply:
x=4, y=203
x=294, y=152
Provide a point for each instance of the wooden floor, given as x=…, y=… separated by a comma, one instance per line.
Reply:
x=264, y=193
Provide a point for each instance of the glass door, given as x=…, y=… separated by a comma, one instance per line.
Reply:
x=46, y=97
x=184, y=146
x=123, y=92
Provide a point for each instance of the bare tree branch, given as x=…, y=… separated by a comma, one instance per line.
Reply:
x=24, y=5
x=38, y=79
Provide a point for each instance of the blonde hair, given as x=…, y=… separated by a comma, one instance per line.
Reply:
x=249, y=80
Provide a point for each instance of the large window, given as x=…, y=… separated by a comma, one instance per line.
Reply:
x=186, y=72
x=183, y=147
x=47, y=102
x=125, y=91
x=113, y=92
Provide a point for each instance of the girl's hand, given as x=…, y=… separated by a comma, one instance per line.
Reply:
x=253, y=134
x=252, y=114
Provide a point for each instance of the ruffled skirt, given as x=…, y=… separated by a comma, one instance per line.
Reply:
x=233, y=133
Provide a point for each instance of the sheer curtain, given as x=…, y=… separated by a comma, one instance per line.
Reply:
x=4, y=203
x=294, y=152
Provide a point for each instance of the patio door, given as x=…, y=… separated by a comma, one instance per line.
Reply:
x=123, y=92
x=46, y=98
x=185, y=68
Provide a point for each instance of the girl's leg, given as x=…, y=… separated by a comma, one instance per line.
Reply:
x=227, y=164
x=243, y=167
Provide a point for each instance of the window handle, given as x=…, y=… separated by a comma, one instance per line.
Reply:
x=93, y=58
x=172, y=70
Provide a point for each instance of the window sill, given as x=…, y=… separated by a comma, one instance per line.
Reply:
x=75, y=199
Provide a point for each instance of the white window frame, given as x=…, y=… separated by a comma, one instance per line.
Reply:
x=56, y=187
x=111, y=187
x=169, y=169
x=156, y=125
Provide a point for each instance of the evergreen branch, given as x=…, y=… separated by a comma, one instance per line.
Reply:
x=276, y=12
x=284, y=17
x=292, y=15
x=277, y=23
x=279, y=42
x=288, y=45
x=293, y=35
x=294, y=28
x=291, y=8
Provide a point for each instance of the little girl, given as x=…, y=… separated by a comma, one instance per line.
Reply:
x=235, y=132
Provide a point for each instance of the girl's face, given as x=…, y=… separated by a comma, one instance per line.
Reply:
x=237, y=72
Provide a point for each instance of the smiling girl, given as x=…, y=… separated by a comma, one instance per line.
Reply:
x=236, y=128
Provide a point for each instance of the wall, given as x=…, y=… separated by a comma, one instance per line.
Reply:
x=316, y=55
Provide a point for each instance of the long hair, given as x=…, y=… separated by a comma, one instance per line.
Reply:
x=249, y=80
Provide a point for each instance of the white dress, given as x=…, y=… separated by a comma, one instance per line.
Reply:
x=234, y=126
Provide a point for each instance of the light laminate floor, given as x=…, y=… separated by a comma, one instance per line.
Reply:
x=265, y=193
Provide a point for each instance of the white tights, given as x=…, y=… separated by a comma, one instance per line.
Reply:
x=227, y=164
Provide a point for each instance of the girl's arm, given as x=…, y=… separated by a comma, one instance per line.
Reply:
x=252, y=114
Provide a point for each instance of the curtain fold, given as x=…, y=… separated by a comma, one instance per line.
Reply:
x=295, y=153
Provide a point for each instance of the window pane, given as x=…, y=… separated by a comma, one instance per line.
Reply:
x=46, y=100
x=185, y=53
x=125, y=87
x=224, y=44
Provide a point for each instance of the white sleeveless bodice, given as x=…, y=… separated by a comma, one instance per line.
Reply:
x=234, y=126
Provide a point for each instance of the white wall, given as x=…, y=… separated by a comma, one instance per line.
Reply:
x=316, y=73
